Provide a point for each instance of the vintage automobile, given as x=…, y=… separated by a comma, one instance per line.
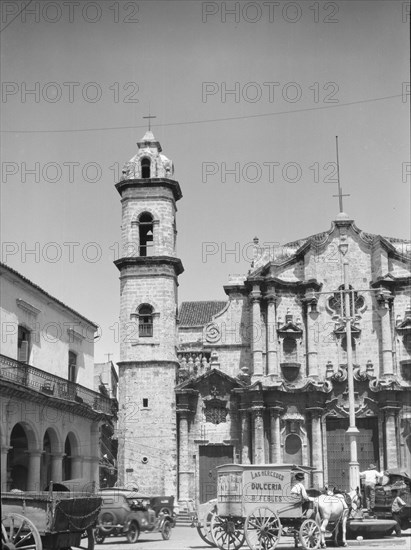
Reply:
x=128, y=513
x=401, y=481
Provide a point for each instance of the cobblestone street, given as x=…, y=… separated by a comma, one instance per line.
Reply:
x=185, y=538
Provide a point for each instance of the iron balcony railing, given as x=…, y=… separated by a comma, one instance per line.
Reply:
x=54, y=386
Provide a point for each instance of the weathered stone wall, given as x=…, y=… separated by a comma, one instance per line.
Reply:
x=147, y=429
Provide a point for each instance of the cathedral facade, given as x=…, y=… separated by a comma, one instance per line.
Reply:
x=264, y=376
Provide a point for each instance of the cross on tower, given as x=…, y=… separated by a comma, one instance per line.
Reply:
x=340, y=193
x=149, y=119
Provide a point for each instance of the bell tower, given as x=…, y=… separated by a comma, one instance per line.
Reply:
x=149, y=270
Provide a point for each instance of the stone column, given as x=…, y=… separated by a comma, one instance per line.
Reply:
x=95, y=453
x=184, y=473
x=258, y=421
x=386, y=337
x=76, y=467
x=95, y=471
x=272, y=356
x=33, y=477
x=57, y=467
x=245, y=436
x=312, y=334
x=4, y=453
x=391, y=437
x=257, y=344
x=275, y=435
x=317, y=447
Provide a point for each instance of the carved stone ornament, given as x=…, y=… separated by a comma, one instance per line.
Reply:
x=212, y=333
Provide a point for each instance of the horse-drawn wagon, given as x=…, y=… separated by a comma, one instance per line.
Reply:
x=48, y=520
x=255, y=504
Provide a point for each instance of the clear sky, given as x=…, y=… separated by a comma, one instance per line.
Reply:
x=254, y=162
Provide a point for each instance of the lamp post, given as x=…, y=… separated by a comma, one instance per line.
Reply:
x=352, y=431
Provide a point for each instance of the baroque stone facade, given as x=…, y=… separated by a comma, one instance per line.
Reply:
x=263, y=377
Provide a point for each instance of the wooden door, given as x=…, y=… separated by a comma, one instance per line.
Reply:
x=338, y=448
x=211, y=457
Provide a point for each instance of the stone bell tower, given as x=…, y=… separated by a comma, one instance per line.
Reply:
x=149, y=269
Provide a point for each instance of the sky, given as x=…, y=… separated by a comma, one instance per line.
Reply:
x=248, y=98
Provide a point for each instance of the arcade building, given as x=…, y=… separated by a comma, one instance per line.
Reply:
x=263, y=376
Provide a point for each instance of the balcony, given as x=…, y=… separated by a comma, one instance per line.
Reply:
x=50, y=385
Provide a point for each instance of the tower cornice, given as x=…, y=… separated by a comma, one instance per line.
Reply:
x=122, y=185
x=150, y=261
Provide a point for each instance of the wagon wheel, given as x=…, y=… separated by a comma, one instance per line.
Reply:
x=86, y=541
x=205, y=530
x=227, y=532
x=18, y=532
x=262, y=529
x=310, y=534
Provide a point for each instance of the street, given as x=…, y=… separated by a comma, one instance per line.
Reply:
x=184, y=537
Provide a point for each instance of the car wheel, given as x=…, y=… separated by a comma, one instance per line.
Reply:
x=133, y=532
x=99, y=537
x=165, y=511
x=166, y=530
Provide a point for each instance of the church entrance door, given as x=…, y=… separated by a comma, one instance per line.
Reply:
x=212, y=456
x=338, y=448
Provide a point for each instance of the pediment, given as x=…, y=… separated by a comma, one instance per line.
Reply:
x=213, y=378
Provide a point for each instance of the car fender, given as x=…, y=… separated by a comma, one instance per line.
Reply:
x=131, y=517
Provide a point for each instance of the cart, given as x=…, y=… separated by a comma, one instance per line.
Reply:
x=48, y=520
x=255, y=504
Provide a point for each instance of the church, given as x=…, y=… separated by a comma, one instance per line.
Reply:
x=263, y=377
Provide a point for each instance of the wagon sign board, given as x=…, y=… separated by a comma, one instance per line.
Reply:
x=254, y=503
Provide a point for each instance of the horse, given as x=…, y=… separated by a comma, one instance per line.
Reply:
x=335, y=507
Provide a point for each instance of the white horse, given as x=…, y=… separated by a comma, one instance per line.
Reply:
x=334, y=508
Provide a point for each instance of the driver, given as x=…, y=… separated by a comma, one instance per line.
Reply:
x=298, y=490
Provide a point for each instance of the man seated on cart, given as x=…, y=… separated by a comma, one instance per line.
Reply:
x=299, y=492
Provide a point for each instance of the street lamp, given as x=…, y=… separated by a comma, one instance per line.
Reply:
x=352, y=432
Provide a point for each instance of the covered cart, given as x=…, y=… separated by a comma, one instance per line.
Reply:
x=254, y=503
x=48, y=520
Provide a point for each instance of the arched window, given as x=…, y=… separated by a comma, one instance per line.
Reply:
x=146, y=234
x=145, y=320
x=145, y=167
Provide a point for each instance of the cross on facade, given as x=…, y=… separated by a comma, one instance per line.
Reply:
x=340, y=193
x=149, y=119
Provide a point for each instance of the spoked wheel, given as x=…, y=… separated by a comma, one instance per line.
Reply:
x=133, y=532
x=262, y=529
x=18, y=532
x=310, y=534
x=86, y=541
x=205, y=530
x=227, y=533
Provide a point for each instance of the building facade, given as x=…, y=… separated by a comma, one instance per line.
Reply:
x=50, y=415
x=262, y=377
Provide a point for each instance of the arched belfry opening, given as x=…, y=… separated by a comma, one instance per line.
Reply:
x=145, y=320
x=145, y=167
x=146, y=235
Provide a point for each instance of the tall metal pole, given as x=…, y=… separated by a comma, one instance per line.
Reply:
x=352, y=431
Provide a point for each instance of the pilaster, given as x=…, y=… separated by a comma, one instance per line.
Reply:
x=272, y=353
x=257, y=348
x=258, y=422
x=275, y=435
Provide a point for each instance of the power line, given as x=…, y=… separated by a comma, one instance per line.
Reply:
x=205, y=121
